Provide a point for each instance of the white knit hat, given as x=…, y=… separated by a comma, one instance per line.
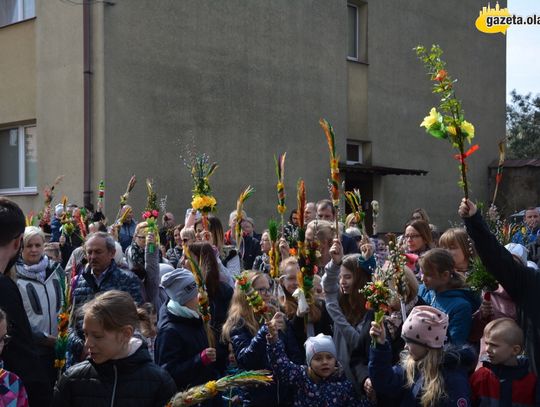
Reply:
x=518, y=250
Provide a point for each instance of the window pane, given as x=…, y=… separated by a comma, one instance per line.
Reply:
x=352, y=32
x=9, y=159
x=30, y=157
x=9, y=12
x=352, y=152
x=29, y=8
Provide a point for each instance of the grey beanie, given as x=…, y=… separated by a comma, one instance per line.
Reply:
x=179, y=285
x=319, y=343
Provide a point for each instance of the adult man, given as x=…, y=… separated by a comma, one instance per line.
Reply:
x=127, y=230
x=520, y=282
x=310, y=213
x=101, y=274
x=19, y=355
x=326, y=211
x=531, y=222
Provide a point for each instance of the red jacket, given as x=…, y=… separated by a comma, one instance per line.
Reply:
x=494, y=385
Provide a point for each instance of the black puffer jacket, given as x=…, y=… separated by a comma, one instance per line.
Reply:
x=134, y=381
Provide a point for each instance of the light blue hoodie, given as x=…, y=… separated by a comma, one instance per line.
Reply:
x=459, y=305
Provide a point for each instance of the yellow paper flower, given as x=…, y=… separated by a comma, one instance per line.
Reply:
x=211, y=387
x=203, y=202
x=431, y=119
x=468, y=128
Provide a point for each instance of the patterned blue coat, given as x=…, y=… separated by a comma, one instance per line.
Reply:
x=334, y=391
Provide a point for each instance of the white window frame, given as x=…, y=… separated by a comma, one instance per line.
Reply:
x=22, y=189
x=20, y=12
x=357, y=58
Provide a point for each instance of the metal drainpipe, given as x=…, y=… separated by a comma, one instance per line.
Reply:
x=87, y=66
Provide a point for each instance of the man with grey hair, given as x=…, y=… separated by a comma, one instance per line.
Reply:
x=101, y=274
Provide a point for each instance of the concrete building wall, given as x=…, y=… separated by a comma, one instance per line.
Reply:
x=18, y=83
x=59, y=97
x=18, y=73
x=399, y=96
x=242, y=80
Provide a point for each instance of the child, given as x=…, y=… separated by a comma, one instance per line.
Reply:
x=219, y=295
x=322, y=382
x=247, y=334
x=343, y=278
x=504, y=378
x=445, y=289
x=460, y=246
x=12, y=391
x=119, y=370
x=317, y=321
x=182, y=343
x=427, y=375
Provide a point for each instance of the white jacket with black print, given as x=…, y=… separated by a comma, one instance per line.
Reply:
x=42, y=297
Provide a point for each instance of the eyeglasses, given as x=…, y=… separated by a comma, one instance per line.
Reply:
x=5, y=339
x=264, y=290
x=407, y=237
x=185, y=240
x=141, y=237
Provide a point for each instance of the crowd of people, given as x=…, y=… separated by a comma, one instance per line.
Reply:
x=135, y=334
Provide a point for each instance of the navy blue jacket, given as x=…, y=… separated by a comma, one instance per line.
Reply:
x=178, y=346
x=219, y=307
x=349, y=245
x=251, y=354
x=388, y=379
x=125, y=234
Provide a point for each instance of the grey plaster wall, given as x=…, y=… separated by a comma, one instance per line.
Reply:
x=59, y=98
x=245, y=80
x=399, y=96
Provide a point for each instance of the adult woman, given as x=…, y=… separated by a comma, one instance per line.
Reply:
x=40, y=282
x=344, y=277
x=290, y=230
x=219, y=294
x=247, y=334
x=417, y=240
x=419, y=214
x=350, y=221
x=262, y=262
x=145, y=263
